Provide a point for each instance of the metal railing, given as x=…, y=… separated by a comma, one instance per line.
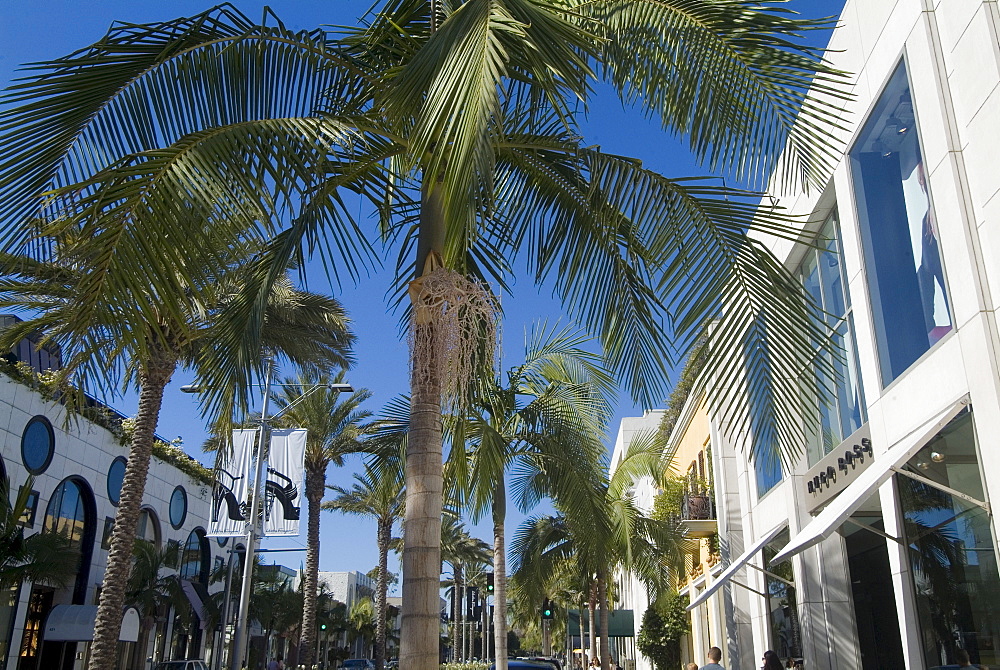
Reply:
x=698, y=507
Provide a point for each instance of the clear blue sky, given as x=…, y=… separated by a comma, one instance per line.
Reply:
x=32, y=30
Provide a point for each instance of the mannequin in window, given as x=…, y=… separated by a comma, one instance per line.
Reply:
x=930, y=261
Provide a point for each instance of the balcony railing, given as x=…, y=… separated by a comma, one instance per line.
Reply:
x=697, y=507
x=698, y=517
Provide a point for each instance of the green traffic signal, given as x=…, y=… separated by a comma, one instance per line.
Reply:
x=322, y=626
x=547, y=611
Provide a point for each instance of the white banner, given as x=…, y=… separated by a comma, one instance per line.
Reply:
x=284, y=501
x=232, y=486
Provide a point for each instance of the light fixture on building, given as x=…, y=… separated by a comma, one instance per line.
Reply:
x=937, y=457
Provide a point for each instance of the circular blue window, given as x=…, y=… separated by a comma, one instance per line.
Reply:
x=178, y=507
x=38, y=443
x=116, y=475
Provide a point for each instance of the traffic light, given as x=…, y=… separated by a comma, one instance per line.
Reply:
x=490, y=586
x=548, y=612
x=322, y=626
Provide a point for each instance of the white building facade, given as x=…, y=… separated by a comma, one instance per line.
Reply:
x=76, y=470
x=885, y=520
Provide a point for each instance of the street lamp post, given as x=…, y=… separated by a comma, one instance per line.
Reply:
x=238, y=652
x=240, y=632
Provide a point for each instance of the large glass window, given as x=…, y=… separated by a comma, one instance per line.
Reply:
x=71, y=511
x=764, y=454
x=786, y=634
x=841, y=409
x=952, y=557
x=195, y=557
x=906, y=282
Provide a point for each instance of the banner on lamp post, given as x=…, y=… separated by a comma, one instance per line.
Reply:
x=232, y=486
x=283, y=495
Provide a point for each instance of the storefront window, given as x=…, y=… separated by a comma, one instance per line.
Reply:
x=764, y=455
x=841, y=408
x=952, y=557
x=786, y=634
x=906, y=281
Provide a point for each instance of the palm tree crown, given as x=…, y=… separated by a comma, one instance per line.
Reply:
x=458, y=121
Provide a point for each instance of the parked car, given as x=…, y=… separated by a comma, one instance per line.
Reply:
x=182, y=665
x=358, y=664
x=555, y=662
x=522, y=664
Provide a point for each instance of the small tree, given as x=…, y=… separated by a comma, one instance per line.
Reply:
x=663, y=624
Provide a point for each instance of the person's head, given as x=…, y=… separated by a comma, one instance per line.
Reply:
x=771, y=661
x=715, y=654
x=962, y=658
x=691, y=666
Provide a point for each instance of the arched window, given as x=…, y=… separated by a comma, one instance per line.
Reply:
x=72, y=512
x=195, y=557
x=148, y=527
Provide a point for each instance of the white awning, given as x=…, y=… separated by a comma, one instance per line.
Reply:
x=855, y=495
x=735, y=566
x=75, y=623
x=130, y=626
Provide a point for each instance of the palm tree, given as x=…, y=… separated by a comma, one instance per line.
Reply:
x=460, y=122
x=308, y=329
x=151, y=592
x=45, y=558
x=459, y=549
x=545, y=422
x=378, y=495
x=607, y=533
x=362, y=619
x=334, y=426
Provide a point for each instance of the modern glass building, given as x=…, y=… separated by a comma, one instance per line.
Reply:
x=877, y=549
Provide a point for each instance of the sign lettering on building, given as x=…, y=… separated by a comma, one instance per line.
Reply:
x=838, y=469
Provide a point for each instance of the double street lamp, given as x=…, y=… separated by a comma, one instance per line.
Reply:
x=241, y=628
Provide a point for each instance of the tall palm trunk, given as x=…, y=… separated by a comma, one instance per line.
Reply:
x=315, y=488
x=153, y=378
x=384, y=537
x=421, y=616
x=459, y=611
x=499, y=577
x=602, y=595
x=592, y=610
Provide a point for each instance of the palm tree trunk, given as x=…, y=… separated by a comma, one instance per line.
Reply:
x=459, y=611
x=602, y=595
x=421, y=616
x=499, y=576
x=591, y=610
x=315, y=487
x=153, y=378
x=384, y=538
